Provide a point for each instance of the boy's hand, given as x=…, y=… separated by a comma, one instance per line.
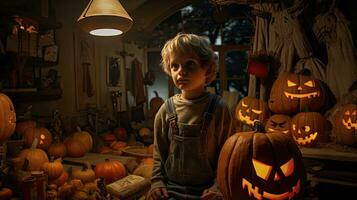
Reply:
x=158, y=194
x=211, y=195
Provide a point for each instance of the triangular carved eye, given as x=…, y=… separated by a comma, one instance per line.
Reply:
x=288, y=167
x=262, y=170
x=244, y=105
x=291, y=84
x=310, y=84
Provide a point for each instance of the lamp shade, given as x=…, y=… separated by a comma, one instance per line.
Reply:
x=105, y=18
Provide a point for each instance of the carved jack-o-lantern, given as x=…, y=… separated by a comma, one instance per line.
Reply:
x=292, y=93
x=345, y=125
x=278, y=123
x=309, y=128
x=257, y=165
x=250, y=109
x=7, y=117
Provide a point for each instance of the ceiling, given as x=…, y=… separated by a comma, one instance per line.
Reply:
x=147, y=14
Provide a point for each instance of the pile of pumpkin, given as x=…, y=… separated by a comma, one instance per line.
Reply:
x=295, y=107
x=72, y=184
x=118, y=139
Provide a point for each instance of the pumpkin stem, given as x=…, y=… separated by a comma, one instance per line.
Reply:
x=106, y=160
x=34, y=143
x=258, y=127
x=79, y=129
x=52, y=158
x=86, y=166
x=156, y=93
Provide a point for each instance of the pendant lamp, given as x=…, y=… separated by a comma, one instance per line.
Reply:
x=105, y=18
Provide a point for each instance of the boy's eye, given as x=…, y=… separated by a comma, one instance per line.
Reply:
x=174, y=66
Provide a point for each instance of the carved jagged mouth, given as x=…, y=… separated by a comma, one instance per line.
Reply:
x=300, y=96
x=306, y=140
x=273, y=130
x=348, y=124
x=245, y=119
x=255, y=192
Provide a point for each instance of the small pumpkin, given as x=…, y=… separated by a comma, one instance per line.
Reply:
x=145, y=132
x=22, y=126
x=108, y=138
x=53, y=168
x=292, y=93
x=118, y=145
x=155, y=104
x=279, y=123
x=345, y=125
x=36, y=157
x=144, y=171
x=259, y=165
x=5, y=193
x=42, y=134
x=121, y=134
x=57, y=150
x=84, y=137
x=309, y=128
x=7, y=117
x=86, y=174
x=60, y=181
x=75, y=148
x=251, y=109
x=150, y=149
x=111, y=171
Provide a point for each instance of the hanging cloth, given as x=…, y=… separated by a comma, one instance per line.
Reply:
x=341, y=70
x=138, y=82
x=261, y=40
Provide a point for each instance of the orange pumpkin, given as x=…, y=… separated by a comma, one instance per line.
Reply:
x=5, y=193
x=53, y=168
x=7, y=117
x=108, y=138
x=278, y=123
x=85, y=138
x=121, y=134
x=150, y=149
x=110, y=170
x=61, y=180
x=145, y=132
x=43, y=136
x=86, y=174
x=57, y=150
x=251, y=109
x=118, y=145
x=345, y=125
x=155, y=104
x=309, y=129
x=36, y=157
x=75, y=148
x=259, y=165
x=292, y=93
x=22, y=126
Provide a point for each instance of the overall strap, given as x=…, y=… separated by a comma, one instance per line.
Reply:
x=171, y=112
x=207, y=116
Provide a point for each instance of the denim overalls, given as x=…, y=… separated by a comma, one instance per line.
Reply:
x=187, y=167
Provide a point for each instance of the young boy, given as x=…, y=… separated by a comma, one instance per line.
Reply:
x=190, y=128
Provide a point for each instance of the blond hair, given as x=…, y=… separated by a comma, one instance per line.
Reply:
x=190, y=43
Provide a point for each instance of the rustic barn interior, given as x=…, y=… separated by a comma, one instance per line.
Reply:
x=77, y=110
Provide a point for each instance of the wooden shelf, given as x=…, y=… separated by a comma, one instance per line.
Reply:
x=328, y=154
x=31, y=94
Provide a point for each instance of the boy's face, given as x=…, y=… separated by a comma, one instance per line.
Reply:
x=187, y=72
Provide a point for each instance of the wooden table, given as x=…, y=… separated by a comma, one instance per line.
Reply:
x=94, y=158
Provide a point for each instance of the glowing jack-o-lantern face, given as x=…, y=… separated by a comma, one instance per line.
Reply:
x=293, y=93
x=278, y=123
x=7, y=118
x=43, y=136
x=308, y=128
x=254, y=165
x=250, y=109
x=345, y=125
